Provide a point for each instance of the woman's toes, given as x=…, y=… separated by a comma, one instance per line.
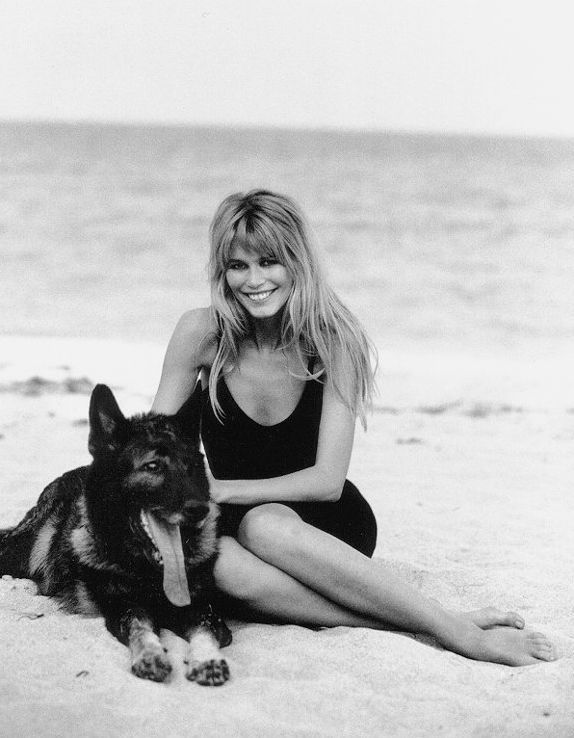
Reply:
x=491, y=617
x=515, y=620
x=538, y=637
x=510, y=619
x=545, y=654
x=541, y=647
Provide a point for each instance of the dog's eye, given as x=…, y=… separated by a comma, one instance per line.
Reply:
x=151, y=466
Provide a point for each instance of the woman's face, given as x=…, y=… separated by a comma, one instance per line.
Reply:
x=260, y=283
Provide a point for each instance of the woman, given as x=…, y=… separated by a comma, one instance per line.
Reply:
x=288, y=371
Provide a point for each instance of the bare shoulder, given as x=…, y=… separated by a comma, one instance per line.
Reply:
x=192, y=347
x=198, y=320
x=195, y=337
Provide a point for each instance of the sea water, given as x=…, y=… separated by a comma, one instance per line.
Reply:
x=434, y=241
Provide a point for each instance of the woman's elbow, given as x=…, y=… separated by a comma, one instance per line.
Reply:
x=332, y=489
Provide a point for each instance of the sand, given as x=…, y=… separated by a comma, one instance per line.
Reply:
x=468, y=465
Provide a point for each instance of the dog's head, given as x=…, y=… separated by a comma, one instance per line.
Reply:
x=158, y=475
x=156, y=457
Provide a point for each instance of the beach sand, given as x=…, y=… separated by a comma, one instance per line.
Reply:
x=468, y=466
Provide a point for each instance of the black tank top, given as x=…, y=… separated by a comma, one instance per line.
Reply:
x=241, y=448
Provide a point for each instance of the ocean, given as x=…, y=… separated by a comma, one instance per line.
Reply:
x=465, y=243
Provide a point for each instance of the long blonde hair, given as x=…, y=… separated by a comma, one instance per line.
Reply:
x=315, y=323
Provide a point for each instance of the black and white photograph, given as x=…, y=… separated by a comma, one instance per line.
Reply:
x=286, y=369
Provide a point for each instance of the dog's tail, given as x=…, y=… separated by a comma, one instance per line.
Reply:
x=16, y=543
x=4, y=533
x=12, y=559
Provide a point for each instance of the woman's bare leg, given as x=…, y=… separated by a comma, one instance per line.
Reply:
x=345, y=577
x=267, y=591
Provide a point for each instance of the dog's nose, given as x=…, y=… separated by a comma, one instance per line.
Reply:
x=195, y=510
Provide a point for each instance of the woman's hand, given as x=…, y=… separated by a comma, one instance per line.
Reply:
x=218, y=488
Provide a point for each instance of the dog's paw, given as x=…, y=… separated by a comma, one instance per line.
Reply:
x=211, y=673
x=152, y=664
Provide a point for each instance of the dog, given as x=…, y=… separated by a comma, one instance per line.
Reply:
x=133, y=537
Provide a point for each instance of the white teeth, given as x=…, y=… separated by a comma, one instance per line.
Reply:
x=258, y=296
x=156, y=554
x=145, y=526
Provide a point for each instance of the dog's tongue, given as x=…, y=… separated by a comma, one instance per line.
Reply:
x=167, y=537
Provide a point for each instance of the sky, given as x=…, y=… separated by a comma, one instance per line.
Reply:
x=485, y=66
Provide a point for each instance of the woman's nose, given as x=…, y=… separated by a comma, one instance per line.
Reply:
x=255, y=278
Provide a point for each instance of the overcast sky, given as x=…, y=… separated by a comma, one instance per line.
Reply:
x=494, y=66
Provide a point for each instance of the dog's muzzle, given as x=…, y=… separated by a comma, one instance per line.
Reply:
x=195, y=512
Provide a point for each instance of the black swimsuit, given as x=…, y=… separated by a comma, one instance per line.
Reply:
x=241, y=448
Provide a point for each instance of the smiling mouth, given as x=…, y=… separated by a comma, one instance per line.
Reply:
x=258, y=296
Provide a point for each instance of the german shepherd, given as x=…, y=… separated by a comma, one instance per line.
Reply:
x=132, y=536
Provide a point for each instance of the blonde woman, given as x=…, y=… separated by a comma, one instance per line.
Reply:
x=287, y=370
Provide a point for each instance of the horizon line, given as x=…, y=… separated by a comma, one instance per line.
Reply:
x=296, y=128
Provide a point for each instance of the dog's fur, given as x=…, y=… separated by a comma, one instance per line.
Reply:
x=87, y=543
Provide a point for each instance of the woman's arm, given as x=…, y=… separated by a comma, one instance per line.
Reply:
x=321, y=482
x=191, y=347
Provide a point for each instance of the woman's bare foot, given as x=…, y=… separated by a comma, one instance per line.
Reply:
x=492, y=617
x=515, y=647
x=497, y=644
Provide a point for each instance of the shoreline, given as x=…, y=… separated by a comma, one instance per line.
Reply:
x=406, y=377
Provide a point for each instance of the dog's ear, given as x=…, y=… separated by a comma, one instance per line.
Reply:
x=188, y=416
x=106, y=419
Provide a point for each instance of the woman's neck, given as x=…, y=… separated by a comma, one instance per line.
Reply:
x=266, y=333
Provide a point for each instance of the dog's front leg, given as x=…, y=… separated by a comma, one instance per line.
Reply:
x=204, y=662
x=136, y=629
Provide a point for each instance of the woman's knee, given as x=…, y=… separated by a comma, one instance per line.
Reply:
x=242, y=576
x=268, y=525
x=233, y=573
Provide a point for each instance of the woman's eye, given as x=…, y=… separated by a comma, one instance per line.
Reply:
x=151, y=466
x=235, y=266
x=268, y=262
